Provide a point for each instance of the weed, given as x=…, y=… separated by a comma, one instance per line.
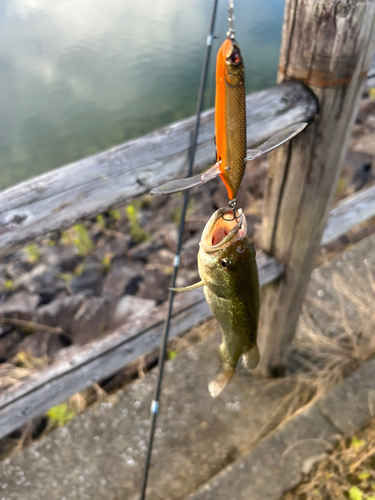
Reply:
x=60, y=414
x=8, y=285
x=115, y=214
x=33, y=253
x=106, y=262
x=137, y=233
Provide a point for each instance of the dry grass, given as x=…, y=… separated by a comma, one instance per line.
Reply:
x=347, y=473
x=325, y=358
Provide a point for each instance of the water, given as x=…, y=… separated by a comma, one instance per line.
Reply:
x=79, y=76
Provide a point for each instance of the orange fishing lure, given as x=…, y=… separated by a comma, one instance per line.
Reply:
x=230, y=128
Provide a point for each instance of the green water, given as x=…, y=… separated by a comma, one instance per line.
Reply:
x=80, y=76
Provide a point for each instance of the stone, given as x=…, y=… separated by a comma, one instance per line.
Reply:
x=168, y=233
x=119, y=276
x=161, y=259
x=129, y=308
x=20, y=305
x=65, y=258
x=143, y=250
x=42, y=345
x=92, y=319
x=154, y=285
x=351, y=404
x=60, y=312
x=118, y=246
x=90, y=279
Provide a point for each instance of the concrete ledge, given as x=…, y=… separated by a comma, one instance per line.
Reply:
x=279, y=462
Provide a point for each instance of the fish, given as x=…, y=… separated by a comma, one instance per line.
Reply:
x=229, y=274
x=230, y=128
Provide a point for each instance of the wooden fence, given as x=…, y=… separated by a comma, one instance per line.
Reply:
x=306, y=169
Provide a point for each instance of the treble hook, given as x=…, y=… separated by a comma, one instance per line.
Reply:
x=232, y=204
x=231, y=32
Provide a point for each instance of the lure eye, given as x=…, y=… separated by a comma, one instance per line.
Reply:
x=235, y=57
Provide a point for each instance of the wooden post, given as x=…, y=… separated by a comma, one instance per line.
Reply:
x=328, y=45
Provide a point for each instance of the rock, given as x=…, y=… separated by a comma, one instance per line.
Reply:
x=92, y=319
x=189, y=252
x=133, y=285
x=42, y=280
x=129, y=308
x=47, y=285
x=17, y=269
x=9, y=343
x=143, y=250
x=119, y=276
x=162, y=259
x=42, y=344
x=90, y=279
x=118, y=246
x=60, y=312
x=63, y=257
x=168, y=234
x=154, y=285
x=20, y=305
x=186, y=278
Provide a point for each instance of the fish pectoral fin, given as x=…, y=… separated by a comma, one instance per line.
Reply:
x=189, y=182
x=220, y=381
x=275, y=141
x=188, y=288
x=251, y=358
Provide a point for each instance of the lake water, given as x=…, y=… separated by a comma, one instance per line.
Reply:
x=79, y=76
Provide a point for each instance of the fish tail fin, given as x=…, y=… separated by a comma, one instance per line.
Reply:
x=250, y=358
x=220, y=381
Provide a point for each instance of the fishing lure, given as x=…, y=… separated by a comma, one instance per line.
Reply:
x=230, y=127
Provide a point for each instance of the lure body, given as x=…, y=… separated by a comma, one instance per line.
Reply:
x=230, y=116
x=230, y=128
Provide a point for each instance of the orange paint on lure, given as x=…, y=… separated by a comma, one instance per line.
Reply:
x=230, y=128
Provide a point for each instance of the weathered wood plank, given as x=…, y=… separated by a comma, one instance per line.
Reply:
x=102, y=358
x=351, y=211
x=328, y=46
x=60, y=198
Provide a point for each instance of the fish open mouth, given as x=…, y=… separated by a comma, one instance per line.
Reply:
x=222, y=229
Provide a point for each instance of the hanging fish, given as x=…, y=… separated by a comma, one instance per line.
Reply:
x=229, y=275
x=230, y=128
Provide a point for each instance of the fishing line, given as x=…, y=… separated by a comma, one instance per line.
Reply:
x=176, y=262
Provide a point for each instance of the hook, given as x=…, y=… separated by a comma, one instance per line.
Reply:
x=232, y=204
x=231, y=32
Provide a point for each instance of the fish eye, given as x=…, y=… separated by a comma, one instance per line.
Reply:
x=235, y=57
x=225, y=263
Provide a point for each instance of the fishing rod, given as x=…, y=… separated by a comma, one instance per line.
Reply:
x=176, y=262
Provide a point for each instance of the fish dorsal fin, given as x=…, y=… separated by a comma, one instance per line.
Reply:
x=188, y=288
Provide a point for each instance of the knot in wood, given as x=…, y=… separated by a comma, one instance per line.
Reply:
x=342, y=8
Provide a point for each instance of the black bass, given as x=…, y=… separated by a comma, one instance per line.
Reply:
x=229, y=275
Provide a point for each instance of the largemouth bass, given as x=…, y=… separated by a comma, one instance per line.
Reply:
x=230, y=128
x=229, y=275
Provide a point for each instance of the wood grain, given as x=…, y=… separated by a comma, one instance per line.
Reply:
x=62, y=197
x=327, y=45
